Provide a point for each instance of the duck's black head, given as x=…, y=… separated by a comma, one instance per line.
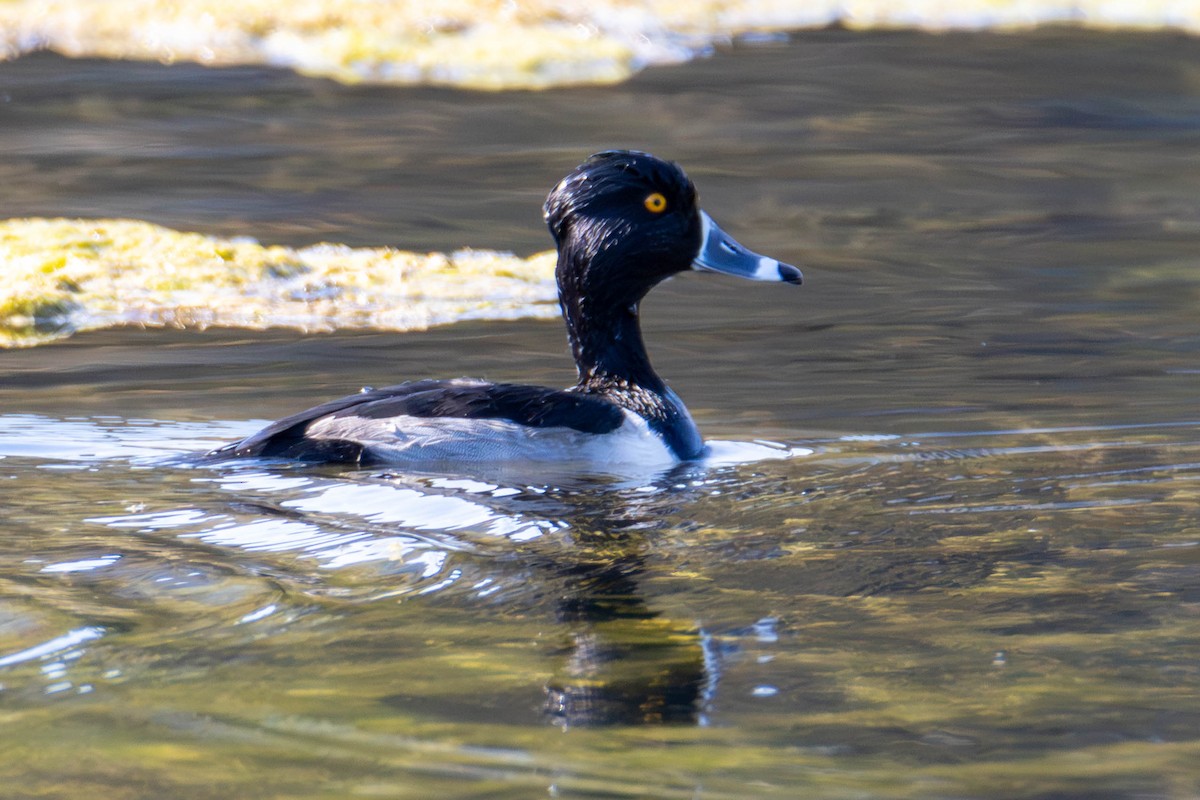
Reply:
x=624, y=220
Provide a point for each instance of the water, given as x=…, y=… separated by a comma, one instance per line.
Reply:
x=975, y=574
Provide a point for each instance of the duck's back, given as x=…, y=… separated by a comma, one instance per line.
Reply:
x=458, y=420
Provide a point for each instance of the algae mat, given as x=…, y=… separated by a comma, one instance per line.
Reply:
x=493, y=45
x=59, y=276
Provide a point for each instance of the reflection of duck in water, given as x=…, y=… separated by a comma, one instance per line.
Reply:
x=623, y=222
x=624, y=664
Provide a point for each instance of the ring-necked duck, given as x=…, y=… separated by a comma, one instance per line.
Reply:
x=623, y=221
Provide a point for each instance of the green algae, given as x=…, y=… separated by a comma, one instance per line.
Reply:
x=492, y=46
x=58, y=276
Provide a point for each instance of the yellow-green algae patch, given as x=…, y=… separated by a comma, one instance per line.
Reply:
x=496, y=45
x=58, y=276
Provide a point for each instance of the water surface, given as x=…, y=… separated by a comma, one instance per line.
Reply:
x=976, y=575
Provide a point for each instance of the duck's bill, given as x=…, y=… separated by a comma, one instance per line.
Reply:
x=720, y=252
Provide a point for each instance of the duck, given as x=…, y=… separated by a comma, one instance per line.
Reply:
x=623, y=221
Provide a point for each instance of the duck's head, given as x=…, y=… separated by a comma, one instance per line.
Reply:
x=624, y=220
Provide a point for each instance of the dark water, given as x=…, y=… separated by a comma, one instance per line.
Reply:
x=984, y=581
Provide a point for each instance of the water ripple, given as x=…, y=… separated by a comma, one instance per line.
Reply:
x=56, y=645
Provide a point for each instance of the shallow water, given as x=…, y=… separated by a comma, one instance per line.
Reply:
x=977, y=574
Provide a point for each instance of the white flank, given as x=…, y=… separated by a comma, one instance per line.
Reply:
x=407, y=440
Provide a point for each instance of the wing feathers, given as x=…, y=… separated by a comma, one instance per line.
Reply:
x=534, y=406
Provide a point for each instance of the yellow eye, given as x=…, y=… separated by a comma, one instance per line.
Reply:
x=655, y=203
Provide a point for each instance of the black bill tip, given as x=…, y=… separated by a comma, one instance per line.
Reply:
x=789, y=274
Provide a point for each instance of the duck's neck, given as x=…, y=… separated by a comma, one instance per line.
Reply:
x=606, y=340
x=607, y=344
x=599, y=290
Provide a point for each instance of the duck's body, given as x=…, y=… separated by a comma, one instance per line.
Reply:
x=623, y=221
x=463, y=420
